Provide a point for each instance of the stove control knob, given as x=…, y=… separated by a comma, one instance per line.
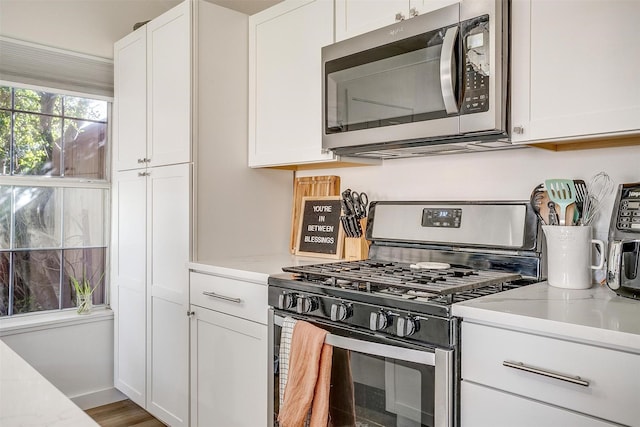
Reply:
x=286, y=301
x=306, y=304
x=406, y=326
x=379, y=321
x=340, y=312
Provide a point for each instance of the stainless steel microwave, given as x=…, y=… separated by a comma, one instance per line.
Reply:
x=435, y=83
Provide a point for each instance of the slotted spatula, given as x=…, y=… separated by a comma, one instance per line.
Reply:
x=581, y=196
x=562, y=192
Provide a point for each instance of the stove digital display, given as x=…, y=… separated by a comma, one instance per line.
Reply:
x=441, y=217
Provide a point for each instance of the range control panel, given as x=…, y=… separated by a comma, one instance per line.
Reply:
x=628, y=218
x=441, y=217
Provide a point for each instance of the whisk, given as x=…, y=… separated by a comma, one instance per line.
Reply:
x=599, y=187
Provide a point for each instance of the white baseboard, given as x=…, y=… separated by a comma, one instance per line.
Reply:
x=98, y=398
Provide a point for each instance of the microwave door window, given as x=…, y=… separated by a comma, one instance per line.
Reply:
x=396, y=88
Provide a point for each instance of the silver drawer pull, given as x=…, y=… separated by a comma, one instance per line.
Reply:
x=521, y=366
x=214, y=295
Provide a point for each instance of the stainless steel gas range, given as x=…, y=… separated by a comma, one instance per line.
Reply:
x=390, y=316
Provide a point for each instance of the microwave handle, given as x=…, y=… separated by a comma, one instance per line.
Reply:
x=615, y=265
x=448, y=69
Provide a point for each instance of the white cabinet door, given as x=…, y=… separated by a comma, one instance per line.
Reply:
x=424, y=6
x=355, y=17
x=486, y=407
x=130, y=106
x=285, y=104
x=128, y=279
x=574, y=69
x=168, y=241
x=169, y=87
x=228, y=371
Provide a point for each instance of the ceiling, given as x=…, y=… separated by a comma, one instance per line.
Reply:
x=246, y=6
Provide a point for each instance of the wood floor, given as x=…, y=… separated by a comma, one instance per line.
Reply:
x=123, y=414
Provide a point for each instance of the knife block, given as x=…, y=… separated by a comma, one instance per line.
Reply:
x=357, y=248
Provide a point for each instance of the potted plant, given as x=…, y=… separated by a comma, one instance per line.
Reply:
x=84, y=291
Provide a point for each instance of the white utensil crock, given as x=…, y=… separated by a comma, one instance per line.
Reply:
x=569, y=256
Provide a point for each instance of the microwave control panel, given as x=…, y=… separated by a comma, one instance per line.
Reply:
x=475, y=46
x=629, y=210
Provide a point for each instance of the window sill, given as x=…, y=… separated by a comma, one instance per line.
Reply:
x=49, y=320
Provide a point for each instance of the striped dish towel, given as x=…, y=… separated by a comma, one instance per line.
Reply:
x=285, y=348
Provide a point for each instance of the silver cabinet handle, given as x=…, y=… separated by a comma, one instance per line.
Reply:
x=521, y=366
x=214, y=295
x=399, y=17
x=413, y=12
x=518, y=129
x=447, y=70
x=144, y=173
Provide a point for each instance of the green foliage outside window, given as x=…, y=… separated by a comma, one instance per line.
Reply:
x=48, y=232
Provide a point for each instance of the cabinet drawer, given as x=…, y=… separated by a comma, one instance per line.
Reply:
x=235, y=297
x=613, y=376
x=485, y=407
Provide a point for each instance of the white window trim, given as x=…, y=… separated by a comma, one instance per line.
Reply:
x=46, y=319
x=38, y=321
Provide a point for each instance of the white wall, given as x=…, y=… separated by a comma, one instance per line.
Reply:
x=76, y=358
x=502, y=175
x=85, y=26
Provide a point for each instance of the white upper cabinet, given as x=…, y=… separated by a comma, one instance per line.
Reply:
x=169, y=87
x=130, y=106
x=152, y=107
x=574, y=69
x=355, y=17
x=285, y=104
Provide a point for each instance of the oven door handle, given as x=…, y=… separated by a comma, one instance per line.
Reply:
x=408, y=355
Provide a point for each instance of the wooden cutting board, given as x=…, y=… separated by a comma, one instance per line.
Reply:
x=327, y=185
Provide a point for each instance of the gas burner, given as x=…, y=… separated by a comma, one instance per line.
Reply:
x=370, y=276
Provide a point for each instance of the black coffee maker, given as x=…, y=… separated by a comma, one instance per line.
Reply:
x=623, y=271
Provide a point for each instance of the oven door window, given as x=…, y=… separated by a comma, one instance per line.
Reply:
x=410, y=80
x=372, y=390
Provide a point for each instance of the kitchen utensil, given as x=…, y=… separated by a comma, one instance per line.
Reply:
x=309, y=186
x=581, y=196
x=553, y=215
x=598, y=188
x=360, y=203
x=536, y=201
x=562, y=193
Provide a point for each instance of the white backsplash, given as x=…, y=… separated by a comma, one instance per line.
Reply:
x=500, y=175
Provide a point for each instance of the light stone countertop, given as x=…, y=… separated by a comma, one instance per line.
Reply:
x=256, y=269
x=27, y=399
x=596, y=316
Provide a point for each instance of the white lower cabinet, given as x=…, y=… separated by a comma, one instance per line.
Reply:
x=228, y=353
x=520, y=378
x=487, y=407
x=151, y=231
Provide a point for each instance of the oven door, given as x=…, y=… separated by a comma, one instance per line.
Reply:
x=377, y=383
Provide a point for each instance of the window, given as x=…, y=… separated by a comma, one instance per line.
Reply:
x=53, y=198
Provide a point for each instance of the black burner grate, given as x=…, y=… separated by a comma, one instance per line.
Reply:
x=380, y=275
